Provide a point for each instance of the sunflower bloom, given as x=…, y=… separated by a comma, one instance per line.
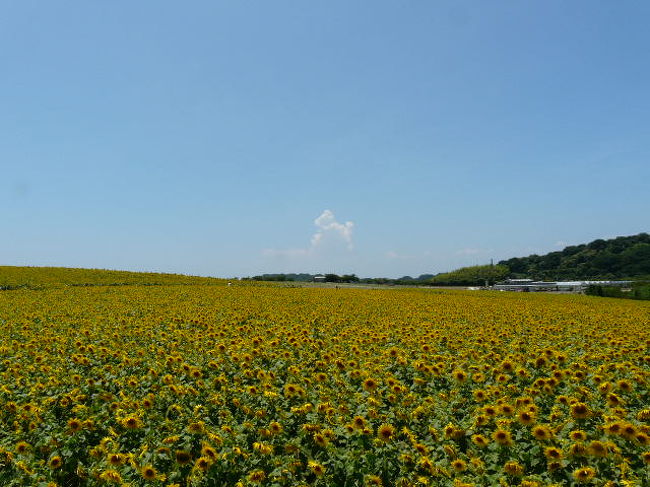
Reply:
x=385, y=432
x=584, y=474
x=316, y=468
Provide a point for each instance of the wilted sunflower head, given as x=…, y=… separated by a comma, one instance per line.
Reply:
x=183, y=457
x=256, y=476
x=514, y=468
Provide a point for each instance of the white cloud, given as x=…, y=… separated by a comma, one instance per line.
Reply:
x=330, y=228
x=561, y=243
x=330, y=236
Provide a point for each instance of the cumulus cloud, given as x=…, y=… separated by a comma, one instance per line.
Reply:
x=331, y=235
x=328, y=227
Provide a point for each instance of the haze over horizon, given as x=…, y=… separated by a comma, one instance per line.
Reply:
x=378, y=139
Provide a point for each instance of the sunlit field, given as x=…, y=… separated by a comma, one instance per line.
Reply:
x=243, y=385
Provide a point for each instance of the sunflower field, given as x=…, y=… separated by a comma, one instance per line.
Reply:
x=249, y=385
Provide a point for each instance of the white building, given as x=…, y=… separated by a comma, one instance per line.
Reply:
x=526, y=285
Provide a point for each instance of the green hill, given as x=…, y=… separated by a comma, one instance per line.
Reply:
x=47, y=277
x=620, y=257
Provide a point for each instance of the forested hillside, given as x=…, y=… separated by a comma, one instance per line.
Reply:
x=621, y=257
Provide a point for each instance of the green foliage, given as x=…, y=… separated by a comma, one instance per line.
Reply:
x=621, y=257
x=343, y=278
x=332, y=278
x=283, y=277
x=640, y=290
x=604, y=291
x=304, y=277
x=471, y=276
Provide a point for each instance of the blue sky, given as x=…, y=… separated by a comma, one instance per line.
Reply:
x=380, y=138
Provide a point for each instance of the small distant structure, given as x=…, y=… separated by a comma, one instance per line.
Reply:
x=319, y=278
x=529, y=285
x=581, y=286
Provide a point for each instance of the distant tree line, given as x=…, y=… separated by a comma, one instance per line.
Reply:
x=621, y=257
x=466, y=276
x=282, y=277
x=304, y=277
